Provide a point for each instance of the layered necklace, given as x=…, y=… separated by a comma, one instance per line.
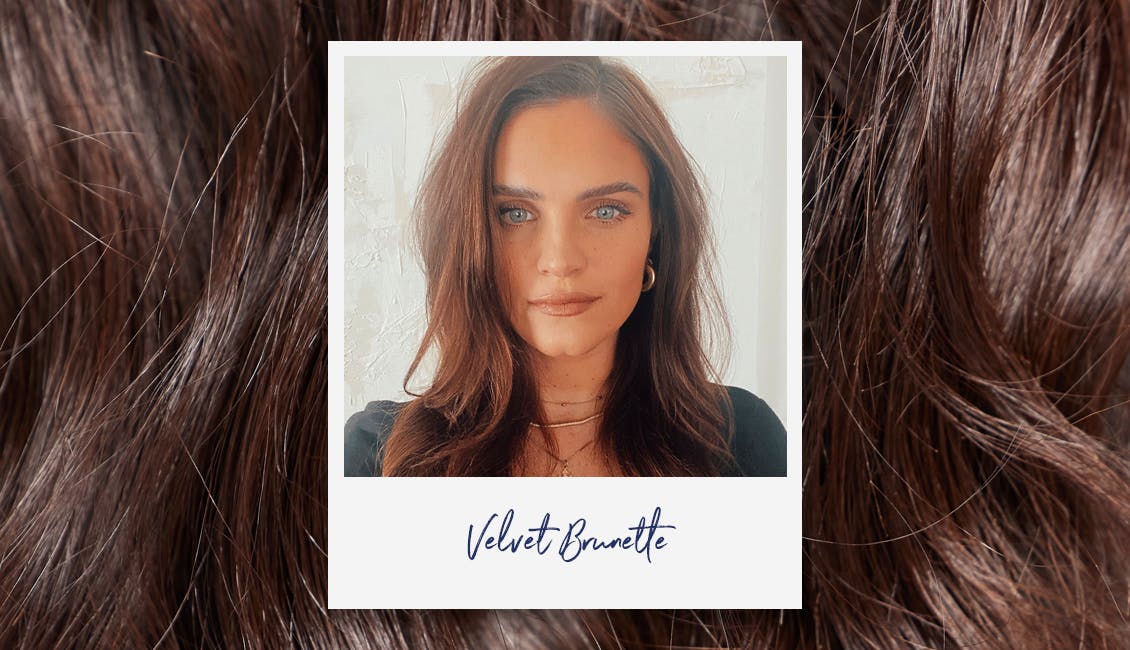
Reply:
x=564, y=462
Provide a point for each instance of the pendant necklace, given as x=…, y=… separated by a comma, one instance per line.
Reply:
x=564, y=462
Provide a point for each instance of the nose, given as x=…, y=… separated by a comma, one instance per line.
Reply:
x=561, y=252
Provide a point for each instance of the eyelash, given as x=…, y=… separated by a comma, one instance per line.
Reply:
x=616, y=205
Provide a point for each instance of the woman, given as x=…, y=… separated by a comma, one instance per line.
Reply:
x=565, y=295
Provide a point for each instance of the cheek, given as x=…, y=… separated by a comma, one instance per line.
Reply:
x=627, y=288
x=624, y=280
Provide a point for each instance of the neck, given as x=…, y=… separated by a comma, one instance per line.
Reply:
x=568, y=388
x=567, y=385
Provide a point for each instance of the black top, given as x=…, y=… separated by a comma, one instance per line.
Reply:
x=758, y=443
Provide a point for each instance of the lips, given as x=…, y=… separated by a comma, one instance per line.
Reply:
x=563, y=303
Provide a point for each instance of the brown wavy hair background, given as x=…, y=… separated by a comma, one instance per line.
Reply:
x=163, y=292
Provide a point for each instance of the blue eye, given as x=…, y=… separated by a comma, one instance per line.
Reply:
x=514, y=216
x=609, y=213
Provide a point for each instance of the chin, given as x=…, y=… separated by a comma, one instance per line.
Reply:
x=560, y=351
x=557, y=348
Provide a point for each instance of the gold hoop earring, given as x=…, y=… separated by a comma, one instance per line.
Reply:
x=648, y=277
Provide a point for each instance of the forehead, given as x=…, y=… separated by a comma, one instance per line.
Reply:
x=565, y=147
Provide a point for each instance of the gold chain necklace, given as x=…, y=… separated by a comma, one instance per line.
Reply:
x=569, y=424
x=564, y=462
x=587, y=401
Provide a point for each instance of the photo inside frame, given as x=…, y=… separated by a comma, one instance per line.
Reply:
x=568, y=304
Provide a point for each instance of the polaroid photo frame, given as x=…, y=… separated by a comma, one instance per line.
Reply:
x=515, y=542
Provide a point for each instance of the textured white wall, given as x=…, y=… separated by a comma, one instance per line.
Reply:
x=728, y=112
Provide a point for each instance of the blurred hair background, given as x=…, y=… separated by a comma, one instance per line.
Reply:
x=163, y=308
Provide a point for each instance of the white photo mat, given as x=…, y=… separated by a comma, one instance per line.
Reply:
x=409, y=542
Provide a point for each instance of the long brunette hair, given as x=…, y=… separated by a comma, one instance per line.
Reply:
x=163, y=348
x=663, y=413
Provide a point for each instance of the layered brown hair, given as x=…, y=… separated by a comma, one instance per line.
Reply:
x=163, y=352
x=663, y=413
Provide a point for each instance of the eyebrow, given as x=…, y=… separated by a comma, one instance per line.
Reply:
x=592, y=192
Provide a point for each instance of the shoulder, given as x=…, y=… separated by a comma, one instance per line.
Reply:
x=759, y=437
x=365, y=435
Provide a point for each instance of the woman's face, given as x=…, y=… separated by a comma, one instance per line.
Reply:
x=571, y=227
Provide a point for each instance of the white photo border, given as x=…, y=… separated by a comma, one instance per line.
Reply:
x=396, y=543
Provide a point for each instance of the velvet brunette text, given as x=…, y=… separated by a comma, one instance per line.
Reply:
x=569, y=541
